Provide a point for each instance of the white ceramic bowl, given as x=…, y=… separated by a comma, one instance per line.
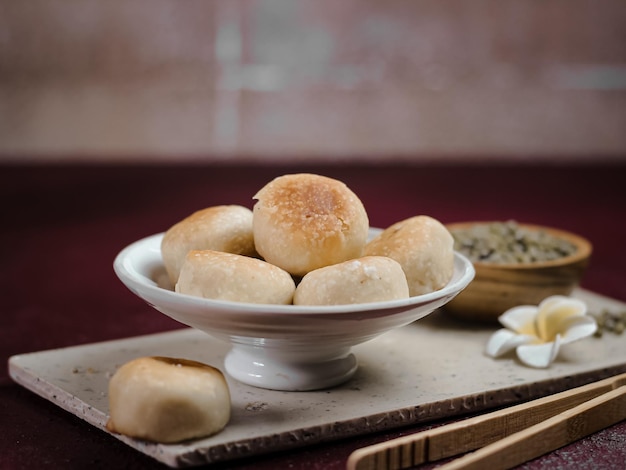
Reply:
x=280, y=347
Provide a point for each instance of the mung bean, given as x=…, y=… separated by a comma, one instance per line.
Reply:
x=508, y=242
x=610, y=321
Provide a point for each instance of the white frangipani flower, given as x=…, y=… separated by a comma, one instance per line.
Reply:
x=537, y=332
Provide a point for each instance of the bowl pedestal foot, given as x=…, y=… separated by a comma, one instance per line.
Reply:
x=295, y=371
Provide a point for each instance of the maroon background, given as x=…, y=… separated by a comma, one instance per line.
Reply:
x=63, y=226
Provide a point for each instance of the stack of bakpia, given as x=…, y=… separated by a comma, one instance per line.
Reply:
x=305, y=242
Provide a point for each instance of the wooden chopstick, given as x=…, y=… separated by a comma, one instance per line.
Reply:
x=568, y=426
x=480, y=431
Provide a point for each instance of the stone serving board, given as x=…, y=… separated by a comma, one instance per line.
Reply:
x=434, y=368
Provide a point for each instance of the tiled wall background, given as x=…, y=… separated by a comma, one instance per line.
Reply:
x=275, y=79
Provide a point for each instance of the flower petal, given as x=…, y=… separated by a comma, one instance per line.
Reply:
x=553, y=314
x=503, y=341
x=548, y=302
x=578, y=328
x=539, y=355
x=520, y=319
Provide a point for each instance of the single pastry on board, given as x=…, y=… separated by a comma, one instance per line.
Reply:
x=168, y=400
x=221, y=228
x=361, y=280
x=227, y=276
x=303, y=222
x=424, y=248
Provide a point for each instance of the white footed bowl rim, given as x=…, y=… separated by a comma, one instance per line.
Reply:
x=129, y=262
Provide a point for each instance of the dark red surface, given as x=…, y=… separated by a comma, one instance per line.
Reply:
x=63, y=225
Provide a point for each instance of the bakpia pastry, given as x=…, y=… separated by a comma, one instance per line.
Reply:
x=225, y=228
x=362, y=280
x=303, y=222
x=168, y=400
x=227, y=276
x=424, y=248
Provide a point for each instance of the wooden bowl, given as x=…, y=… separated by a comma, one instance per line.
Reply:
x=498, y=287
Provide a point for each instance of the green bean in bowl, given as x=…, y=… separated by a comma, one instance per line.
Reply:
x=516, y=264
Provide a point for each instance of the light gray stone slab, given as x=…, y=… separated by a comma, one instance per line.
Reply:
x=431, y=369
